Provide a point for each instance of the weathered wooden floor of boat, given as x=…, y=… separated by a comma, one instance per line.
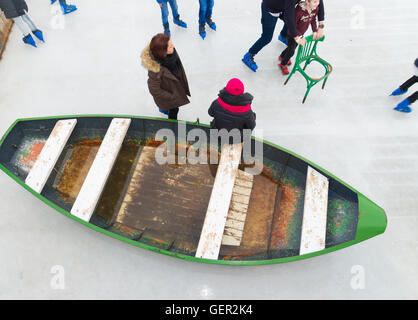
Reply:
x=167, y=201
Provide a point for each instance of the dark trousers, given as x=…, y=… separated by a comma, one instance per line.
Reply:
x=172, y=113
x=406, y=85
x=268, y=23
x=289, y=51
x=283, y=33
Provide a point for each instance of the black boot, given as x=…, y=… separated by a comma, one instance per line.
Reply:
x=202, y=30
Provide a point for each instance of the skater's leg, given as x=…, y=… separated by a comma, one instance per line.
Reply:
x=176, y=16
x=203, y=6
x=413, y=97
x=164, y=12
x=27, y=38
x=172, y=114
x=38, y=33
x=289, y=51
x=405, y=86
x=209, y=11
x=174, y=8
x=286, y=55
x=408, y=83
x=29, y=22
x=21, y=25
x=268, y=23
x=209, y=8
x=283, y=33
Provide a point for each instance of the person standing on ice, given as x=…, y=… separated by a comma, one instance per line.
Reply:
x=66, y=8
x=205, y=16
x=404, y=105
x=164, y=15
x=306, y=14
x=271, y=10
x=167, y=81
x=17, y=10
x=232, y=109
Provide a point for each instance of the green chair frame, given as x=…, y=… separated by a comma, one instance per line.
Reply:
x=307, y=54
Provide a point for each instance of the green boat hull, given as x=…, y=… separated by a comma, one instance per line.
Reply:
x=367, y=219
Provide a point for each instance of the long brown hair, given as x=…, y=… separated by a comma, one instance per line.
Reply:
x=159, y=45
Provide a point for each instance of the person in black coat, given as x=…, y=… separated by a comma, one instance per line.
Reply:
x=17, y=10
x=271, y=10
x=232, y=109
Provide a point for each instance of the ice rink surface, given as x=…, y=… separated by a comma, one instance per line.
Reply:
x=90, y=65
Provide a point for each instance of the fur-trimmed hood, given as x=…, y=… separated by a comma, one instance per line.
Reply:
x=148, y=61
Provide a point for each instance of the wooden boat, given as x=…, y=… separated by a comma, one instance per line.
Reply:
x=102, y=171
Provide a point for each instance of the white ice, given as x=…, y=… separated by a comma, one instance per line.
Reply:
x=90, y=65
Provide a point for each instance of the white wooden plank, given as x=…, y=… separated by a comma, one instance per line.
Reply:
x=236, y=215
x=216, y=215
x=245, y=176
x=49, y=155
x=243, y=183
x=240, y=198
x=241, y=190
x=240, y=207
x=99, y=171
x=315, y=213
x=229, y=240
x=234, y=224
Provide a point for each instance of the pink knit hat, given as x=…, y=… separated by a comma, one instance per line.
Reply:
x=235, y=87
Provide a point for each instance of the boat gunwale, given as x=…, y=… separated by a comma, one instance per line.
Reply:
x=359, y=238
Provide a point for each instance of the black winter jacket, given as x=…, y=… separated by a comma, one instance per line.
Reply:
x=225, y=119
x=13, y=8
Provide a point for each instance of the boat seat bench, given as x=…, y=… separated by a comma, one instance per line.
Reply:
x=241, y=193
x=49, y=154
x=219, y=203
x=314, y=213
x=99, y=172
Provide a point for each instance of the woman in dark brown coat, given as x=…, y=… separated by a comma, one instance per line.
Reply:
x=167, y=81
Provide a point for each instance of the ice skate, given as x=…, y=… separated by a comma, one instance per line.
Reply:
x=288, y=63
x=202, y=31
x=284, y=69
x=29, y=40
x=249, y=61
x=66, y=9
x=283, y=39
x=403, y=106
x=179, y=22
x=167, y=29
x=38, y=33
x=166, y=112
x=210, y=23
x=398, y=92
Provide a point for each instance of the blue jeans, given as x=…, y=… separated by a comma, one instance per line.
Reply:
x=268, y=23
x=164, y=10
x=22, y=26
x=205, y=9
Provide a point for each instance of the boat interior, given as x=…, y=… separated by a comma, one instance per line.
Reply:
x=112, y=180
